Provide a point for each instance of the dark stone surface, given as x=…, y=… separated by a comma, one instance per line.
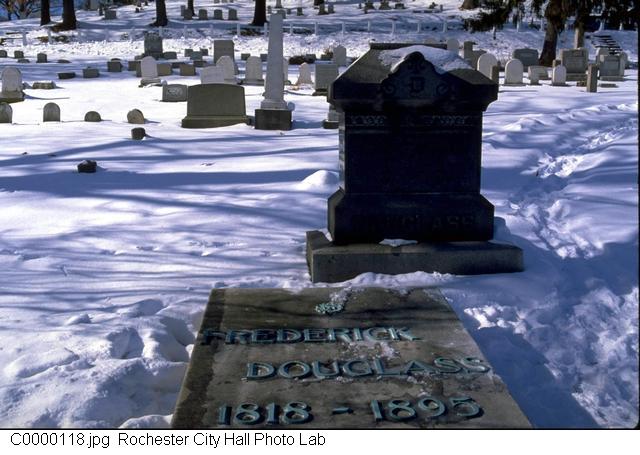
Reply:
x=214, y=105
x=331, y=263
x=138, y=134
x=410, y=150
x=67, y=75
x=407, y=345
x=87, y=166
x=273, y=119
x=92, y=116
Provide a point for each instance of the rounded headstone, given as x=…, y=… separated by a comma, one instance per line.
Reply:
x=88, y=166
x=6, y=113
x=135, y=116
x=138, y=134
x=485, y=62
x=513, y=72
x=92, y=116
x=51, y=113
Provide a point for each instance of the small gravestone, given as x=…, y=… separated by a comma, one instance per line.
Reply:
x=3, y=53
x=92, y=116
x=11, y=82
x=263, y=57
x=330, y=8
x=541, y=71
x=204, y=51
x=133, y=65
x=228, y=71
x=43, y=85
x=87, y=167
x=153, y=45
x=223, y=47
x=244, y=56
x=559, y=76
x=332, y=121
x=339, y=55
x=170, y=55
x=214, y=105
x=173, y=93
x=41, y=58
x=6, y=113
x=110, y=14
x=299, y=11
x=137, y=134
x=528, y=57
x=623, y=64
x=212, y=75
x=18, y=54
x=453, y=45
x=485, y=62
x=304, y=75
x=384, y=5
x=326, y=73
x=196, y=55
x=232, y=14
x=513, y=72
x=327, y=358
x=187, y=15
x=114, y=66
x=609, y=68
x=410, y=152
x=202, y=15
x=187, y=69
x=23, y=60
x=321, y=10
x=600, y=52
x=67, y=75
x=164, y=69
x=534, y=76
x=575, y=61
x=217, y=14
x=148, y=68
x=135, y=116
x=592, y=78
x=199, y=63
x=187, y=52
x=51, y=113
x=253, y=72
x=90, y=73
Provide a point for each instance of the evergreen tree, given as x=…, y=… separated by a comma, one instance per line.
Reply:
x=260, y=13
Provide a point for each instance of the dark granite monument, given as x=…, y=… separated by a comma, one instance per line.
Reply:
x=332, y=358
x=214, y=105
x=410, y=157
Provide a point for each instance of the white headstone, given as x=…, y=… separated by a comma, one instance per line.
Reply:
x=485, y=62
x=513, y=72
x=148, y=68
x=226, y=64
x=212, y=75
x=274, y=84
x=253, y=71
x=340, y=55
x=559, y=75
x=11, y=80
x=304, y=75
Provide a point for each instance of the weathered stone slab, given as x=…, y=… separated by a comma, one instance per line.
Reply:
x=274, y=358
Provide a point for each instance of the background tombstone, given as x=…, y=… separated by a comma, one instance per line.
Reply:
x=410, y=161
x=110, y=14
x=559, y=76
x=212, y=75
x=153, y=45
x=41, y=57
x=228, y=71
x=528, y=57
x=51, y=113
x=253, y=72
x=135, y=116
x=114, y=66
x=609, y=68
x=217, y=15
x=453, y=45
x=214, y=105
x=11, y=81
x=541, y=71
x=172, y=93
x=148, y=68
x=202, y=15
x=232, y=14
x=326, y=73
x=575, y=61
x=3, y=53
x=90, y=73
x=513, y=72
x=304, y=75
x=187, y=70
x=6, y=113
x=592, y=78
x=18, y=54
x=92, y=116
x=485, y=62
x=339, y=55
x=224, y=47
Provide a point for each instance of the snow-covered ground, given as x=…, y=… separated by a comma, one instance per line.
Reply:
x=104, y=277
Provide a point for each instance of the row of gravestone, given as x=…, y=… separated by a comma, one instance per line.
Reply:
x=203, y=14
x=51, y=113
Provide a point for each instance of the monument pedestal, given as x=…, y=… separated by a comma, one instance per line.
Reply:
x=331, y=263
x=273, y=119
x=12, y=97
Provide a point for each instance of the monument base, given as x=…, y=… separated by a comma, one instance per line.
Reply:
x=213, y=122
x=612, y=78
x=273, y=119
x=330, y=124
x=574, y=77
x=332, y=263
x=11, y=98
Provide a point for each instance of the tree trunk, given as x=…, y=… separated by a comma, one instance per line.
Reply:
x=260, y=13
x=68, y=15
x=470, y=4
x=191, y=7
x=548, y=54
x=45, y=12
x=161, y=14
